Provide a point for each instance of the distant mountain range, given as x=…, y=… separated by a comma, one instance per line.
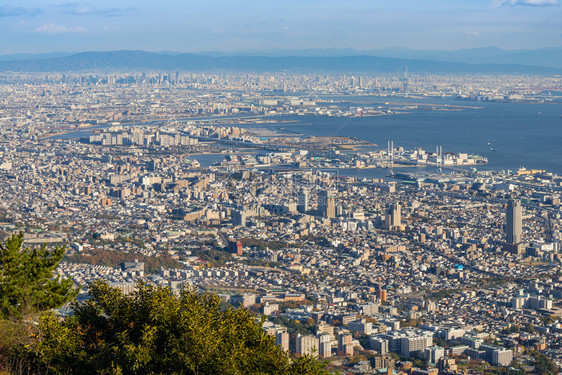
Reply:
x=548, y=57
x=392, y=60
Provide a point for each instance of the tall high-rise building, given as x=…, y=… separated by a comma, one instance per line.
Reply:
x=327, y=203
x=393, y=216
x=282, y=339
x=345, y=344
x=303, y=200
x=153, y=165
x=235, y=247
x=307, y=344
x=502, y=357
x=325, y=346
x=514, y=216
x=239, y=218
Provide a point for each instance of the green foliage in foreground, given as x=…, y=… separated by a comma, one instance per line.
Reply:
x=156, y=332
x=26, y=279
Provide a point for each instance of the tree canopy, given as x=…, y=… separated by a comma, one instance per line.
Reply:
x=27, y=283
x=153, y=331
x=544, y=365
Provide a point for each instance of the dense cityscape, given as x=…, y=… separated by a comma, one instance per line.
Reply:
x=439, y=265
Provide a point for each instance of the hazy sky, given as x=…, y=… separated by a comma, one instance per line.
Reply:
x=235, y=25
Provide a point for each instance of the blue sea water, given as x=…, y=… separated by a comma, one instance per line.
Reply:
x=523, y=134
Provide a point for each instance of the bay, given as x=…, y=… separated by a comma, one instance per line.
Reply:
x=522, y=134
x=510, y=135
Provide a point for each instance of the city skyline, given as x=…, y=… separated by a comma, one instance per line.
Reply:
x=202, y=26
x=274, y=191
x=286, y=176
